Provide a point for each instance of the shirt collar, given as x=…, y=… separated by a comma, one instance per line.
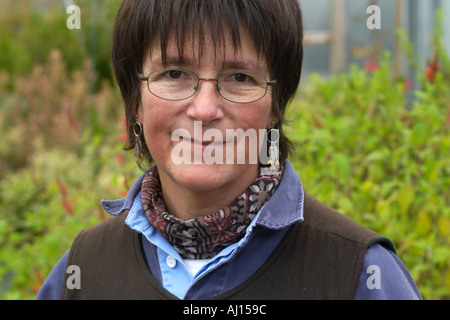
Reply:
x=117, y=207
x=286, y=205
x=289, y=197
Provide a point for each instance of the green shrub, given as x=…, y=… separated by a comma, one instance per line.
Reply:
x=56, y=107
x=28, y=35
x=44, y=205
x=362, y=151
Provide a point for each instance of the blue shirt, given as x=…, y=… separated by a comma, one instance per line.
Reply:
x=383, y=275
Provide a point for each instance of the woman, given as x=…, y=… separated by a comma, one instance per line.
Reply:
x=200, y=80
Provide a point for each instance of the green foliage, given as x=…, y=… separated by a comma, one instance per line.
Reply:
x=57, y=107
x=45, y=205
x=362, y=151
x=27, y=37
x=60, y=151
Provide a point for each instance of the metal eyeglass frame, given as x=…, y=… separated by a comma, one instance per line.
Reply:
x=268, y=84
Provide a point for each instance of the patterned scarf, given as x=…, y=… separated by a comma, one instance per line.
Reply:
x=206, y=236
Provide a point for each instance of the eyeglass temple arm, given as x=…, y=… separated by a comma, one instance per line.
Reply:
x=142, y=77
x=272, y=83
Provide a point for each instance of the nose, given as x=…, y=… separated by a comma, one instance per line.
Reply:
x=206, y=104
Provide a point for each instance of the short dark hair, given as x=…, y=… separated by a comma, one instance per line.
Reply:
x=274, y=25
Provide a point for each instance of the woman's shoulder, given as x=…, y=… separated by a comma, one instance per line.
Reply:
x=323, y=218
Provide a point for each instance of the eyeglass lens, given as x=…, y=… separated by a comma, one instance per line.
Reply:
x=238, y=87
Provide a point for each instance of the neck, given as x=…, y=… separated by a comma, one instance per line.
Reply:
x=187, y=203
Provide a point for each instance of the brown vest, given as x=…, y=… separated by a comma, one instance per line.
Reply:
x=319, y=258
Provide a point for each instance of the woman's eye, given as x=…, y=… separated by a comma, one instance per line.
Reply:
x=240, y=77
x=174, y=74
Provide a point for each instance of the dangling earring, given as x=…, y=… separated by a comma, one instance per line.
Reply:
x=138, y=143
x=274, y=154
x=272, y=162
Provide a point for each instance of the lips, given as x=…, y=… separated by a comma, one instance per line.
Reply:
x=212, y=137
x=205, y=143
x=190, y=139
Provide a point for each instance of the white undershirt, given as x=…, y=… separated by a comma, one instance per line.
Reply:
x=193, y=266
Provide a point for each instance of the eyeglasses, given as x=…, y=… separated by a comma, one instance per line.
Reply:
x=177, y=84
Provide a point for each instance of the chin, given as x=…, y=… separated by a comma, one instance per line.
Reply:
x=203, y=177
x=207, y=177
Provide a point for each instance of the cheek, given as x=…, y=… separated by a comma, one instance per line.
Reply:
x=258, y=114
x=156, y=118
x=156, y=113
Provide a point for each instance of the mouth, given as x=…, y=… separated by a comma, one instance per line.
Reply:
x=206, y=143
x=195, y=143
x=201, y=139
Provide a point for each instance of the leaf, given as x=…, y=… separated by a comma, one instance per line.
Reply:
x=444, y=227
x=405, y=198
x=419, y=134
x=377, y=155
x=447, y=280
x=343, y=165
x=423, y=223
x=441, y=255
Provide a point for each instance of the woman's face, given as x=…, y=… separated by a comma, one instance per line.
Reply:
x=164, y=120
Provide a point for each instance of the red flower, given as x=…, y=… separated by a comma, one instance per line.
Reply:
x=65, y=201
x=72, y=122
x=408, y=85
x=40, y=278
x=371, y=65
x=123, y=138
x=62, y=189
x=68, y=207
x=119, y=158
x=432, y=70
x=122, y=193
x=101, y=213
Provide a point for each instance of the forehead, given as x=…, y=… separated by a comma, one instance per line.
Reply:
x=199, y=51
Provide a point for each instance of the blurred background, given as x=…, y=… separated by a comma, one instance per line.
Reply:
x=371, y=125
x=337, y=35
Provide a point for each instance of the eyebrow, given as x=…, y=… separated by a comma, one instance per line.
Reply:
x=244, y=64
x=172, y=60
x=188, y=63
